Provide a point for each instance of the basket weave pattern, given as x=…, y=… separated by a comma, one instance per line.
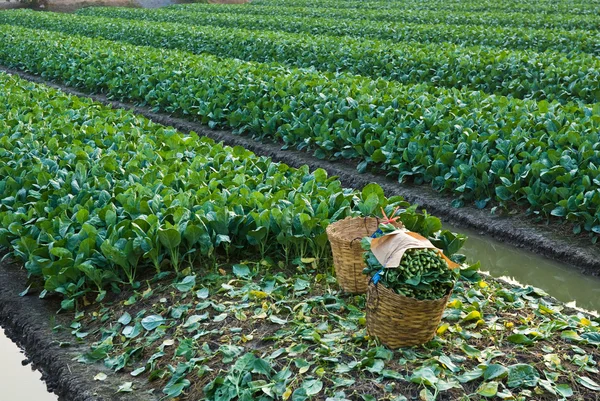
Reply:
x=399, y=321
x=344, y=237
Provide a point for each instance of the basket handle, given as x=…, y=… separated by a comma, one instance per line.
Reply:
x=355, y=239
x=365, y=223
x=366, y=228
x=375, y=304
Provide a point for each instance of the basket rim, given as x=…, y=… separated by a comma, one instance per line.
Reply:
x=418, y=301
x=336, y=225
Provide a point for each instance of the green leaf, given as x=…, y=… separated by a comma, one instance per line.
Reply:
x=470, y=375
x=495, y=371
x=571, y=335
x=170, y=238
x=312, y=386
x=299, y=394
x=241, y=271
x=125, y=319
x=424, y=376
x=591, y=337
x=489, y=389
x=138, y=371
x=503, y=193
x=522, y=375
x=519, y=339
x=25, y=291
x=126, y=387
x=187, y=284
x=588, y=383
x=373, y=189
x=100, y=377
x=564, y=390
x=67, y=304
x=378, y=156
x=152, y=322
x=261, y=366
x=61, y=252
x=173, y=390
x=426, y=395
x=301, y=284
x=277, y=320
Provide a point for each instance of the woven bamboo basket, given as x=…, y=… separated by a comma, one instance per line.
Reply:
x=344, y=237
x=399, y=321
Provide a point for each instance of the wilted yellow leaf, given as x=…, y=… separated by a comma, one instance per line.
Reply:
x=552, y=359
x=455, y=304
x=473, y=315
x=258, y=294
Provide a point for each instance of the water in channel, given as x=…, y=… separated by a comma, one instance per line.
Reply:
x=18, y=382
x=564, y=283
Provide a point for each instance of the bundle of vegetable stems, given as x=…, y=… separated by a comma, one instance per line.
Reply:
x=422, y=273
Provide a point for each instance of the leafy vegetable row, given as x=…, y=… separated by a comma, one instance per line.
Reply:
x=539, y=7
x=520, y=74
x=91, y=195
x=515, y=38
x=420, y=16
x=540, y=156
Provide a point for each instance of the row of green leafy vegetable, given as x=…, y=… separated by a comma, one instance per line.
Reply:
x=91, y=195
x=519, y=74
x=539, y=7
x=538, y=156
x=566, y=41
x=419, y=16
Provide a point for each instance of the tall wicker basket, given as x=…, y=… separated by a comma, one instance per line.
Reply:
x=399, y=321
x=344, y=237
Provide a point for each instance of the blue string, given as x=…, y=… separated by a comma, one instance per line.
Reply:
x=377, y=276
x=376, y=233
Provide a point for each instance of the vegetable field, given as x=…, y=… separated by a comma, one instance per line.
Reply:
x=206, y=271
x=495, y=108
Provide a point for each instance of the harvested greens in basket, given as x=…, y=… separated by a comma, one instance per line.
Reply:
x=421, y=274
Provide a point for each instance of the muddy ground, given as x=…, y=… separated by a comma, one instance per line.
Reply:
x=553, y=241
x=34, y=325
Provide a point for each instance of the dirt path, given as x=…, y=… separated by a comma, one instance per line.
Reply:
x=555, y=242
